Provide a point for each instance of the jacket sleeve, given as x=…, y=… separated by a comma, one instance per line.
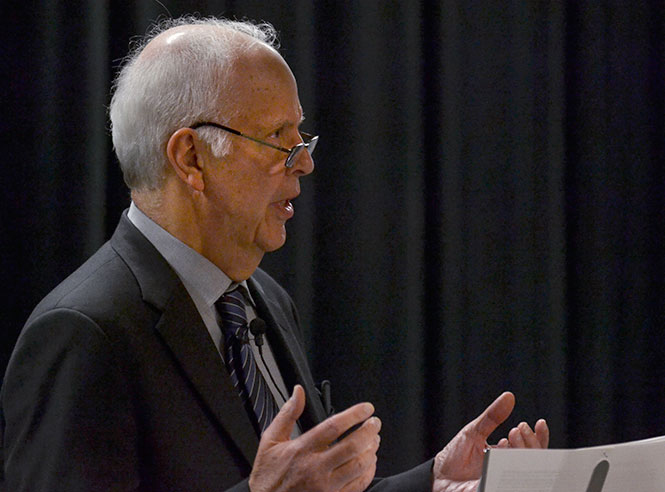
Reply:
x=418, y=479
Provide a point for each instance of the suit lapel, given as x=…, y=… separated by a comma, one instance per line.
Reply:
x=288, y=353
x=184, y=333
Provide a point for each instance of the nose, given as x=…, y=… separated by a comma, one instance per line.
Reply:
x=303, y=164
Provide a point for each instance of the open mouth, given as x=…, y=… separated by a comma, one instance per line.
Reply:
x=286, y=208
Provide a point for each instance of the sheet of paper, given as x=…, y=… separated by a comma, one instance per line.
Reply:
x=637, y=466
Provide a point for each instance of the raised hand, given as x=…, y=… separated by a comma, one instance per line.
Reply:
x=316, y=461
x=457, y=468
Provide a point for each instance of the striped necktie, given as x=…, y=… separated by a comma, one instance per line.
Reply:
x=240, y=361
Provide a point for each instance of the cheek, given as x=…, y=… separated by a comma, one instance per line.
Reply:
x=235, y=190
x=252, y=204
x=245, y=194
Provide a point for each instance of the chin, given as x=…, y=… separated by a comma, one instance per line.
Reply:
x=273, y=243
x=270, y=236
x=274, y=246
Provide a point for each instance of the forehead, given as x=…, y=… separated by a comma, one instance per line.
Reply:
x=264, y=90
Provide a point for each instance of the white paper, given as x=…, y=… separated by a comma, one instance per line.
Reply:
x=637, y=466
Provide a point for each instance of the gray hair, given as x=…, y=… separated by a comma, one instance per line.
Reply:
x=154, y=96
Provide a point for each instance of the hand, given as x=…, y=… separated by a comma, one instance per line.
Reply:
x=457, y=468
x=314, y=461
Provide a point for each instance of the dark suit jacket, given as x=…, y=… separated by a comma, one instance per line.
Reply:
x=115, y=383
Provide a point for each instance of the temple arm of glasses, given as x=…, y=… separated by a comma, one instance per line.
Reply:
x=236, y=132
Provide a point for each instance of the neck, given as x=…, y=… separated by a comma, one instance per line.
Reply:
x=181, y=218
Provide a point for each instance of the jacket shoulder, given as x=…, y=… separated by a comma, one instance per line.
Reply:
x=102, y=281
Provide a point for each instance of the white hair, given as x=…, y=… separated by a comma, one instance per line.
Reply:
x=156, y=94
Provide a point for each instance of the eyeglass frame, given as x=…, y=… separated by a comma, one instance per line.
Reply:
x=309, y=141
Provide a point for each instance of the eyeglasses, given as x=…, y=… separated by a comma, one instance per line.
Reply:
x=308, y=141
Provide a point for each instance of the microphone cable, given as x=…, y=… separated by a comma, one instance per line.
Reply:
x=258, y=328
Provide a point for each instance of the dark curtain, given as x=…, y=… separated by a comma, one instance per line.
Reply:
x=486, y=213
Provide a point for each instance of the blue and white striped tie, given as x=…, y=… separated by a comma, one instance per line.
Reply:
x=241, y=363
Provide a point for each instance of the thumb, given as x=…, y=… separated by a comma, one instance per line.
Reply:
x=282, y=425
x=494, y=415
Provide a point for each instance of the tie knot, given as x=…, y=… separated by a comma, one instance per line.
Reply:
x=231, y=307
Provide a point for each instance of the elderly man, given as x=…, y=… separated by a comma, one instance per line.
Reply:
x=139, y=372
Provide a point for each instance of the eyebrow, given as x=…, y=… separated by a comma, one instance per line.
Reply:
x=285, y=123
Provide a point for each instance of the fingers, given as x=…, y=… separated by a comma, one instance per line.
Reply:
x=361, y=482
x=356, y=454
x=493, y=416
x=523, y=437
x=282, y=425
x=358, y=469
x=352, y=460
x=327, y=432
x=363, y=440
x=543, y=433
x=503, y=443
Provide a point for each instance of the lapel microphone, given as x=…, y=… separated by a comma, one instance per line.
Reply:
x=258, y=328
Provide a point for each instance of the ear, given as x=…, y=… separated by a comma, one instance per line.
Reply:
x=184, y=153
